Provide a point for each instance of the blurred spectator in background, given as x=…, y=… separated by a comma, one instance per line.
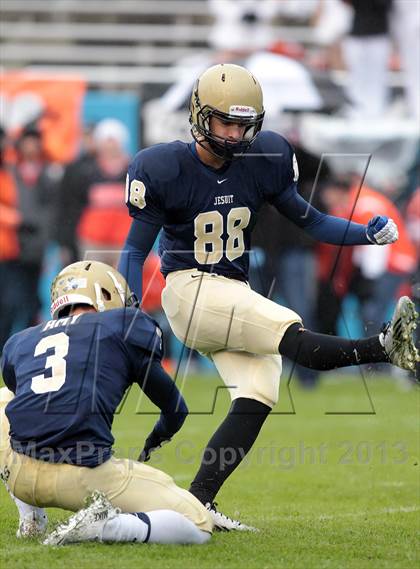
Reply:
x=334, y=270
x=379, y=273
x=64, y=229
x=366, y=52
x=9, y=246
x=413, y=218
x=92, y=217
x=331, y=22
x=405, y=24
x=241, y=25
x=28, y=192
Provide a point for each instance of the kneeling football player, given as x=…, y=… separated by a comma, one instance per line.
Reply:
x=65, y=379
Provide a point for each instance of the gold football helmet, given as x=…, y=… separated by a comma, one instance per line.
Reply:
x=89, y=282
x=231, y=93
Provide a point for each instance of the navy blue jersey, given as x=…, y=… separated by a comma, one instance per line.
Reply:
x=208, y=215
x=69, y=376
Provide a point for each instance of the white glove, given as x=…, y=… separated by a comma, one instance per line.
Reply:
x=382, y=230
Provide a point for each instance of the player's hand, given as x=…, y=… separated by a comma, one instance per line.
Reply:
x=382, y=230
x=153, y=442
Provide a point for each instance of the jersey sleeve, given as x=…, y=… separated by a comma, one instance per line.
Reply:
x=281, y=190
x=143, y=194
x=142, y=338
x=7, y=367
x=138, y=244
x=284, y=171
x=320, y=226
x=162, y=391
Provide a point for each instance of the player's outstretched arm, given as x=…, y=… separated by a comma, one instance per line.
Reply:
x=380, y=230
x=162, y=391
x=139, y=242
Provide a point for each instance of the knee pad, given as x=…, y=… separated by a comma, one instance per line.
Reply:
x=250, y=376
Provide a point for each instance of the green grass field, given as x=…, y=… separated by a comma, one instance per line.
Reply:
x=333, y=481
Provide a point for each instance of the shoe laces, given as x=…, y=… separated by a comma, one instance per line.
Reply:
x=213, y=506
x=385, y=327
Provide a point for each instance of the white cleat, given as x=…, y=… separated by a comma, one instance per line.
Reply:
x=397, y=336
x=86, y=524
x=224, y=523
x=32, y=525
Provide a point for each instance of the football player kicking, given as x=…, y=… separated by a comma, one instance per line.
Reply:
x=65, y=379
x=206, y=196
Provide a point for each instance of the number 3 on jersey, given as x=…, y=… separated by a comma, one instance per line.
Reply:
x=60, y=344
x=208, y=231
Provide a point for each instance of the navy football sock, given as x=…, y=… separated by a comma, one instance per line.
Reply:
x=324, y=352
x=228, y=446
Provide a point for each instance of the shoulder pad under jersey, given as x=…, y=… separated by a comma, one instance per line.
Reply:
x=160, y=162
x=273, y=145
x=135, y=328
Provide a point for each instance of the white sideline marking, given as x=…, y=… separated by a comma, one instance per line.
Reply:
x=402, y=509
x=326, y=517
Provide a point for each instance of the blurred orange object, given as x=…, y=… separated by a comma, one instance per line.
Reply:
x=52, y=101
x=289, y=49
x=153, y=284
x=168, y=365
x=335, y=264
x=402, y=253
x=9, y=217
x=413, y=218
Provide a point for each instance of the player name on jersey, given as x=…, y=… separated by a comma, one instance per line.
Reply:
x=61, y=322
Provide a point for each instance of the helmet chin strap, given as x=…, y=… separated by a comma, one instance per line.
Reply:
x=224, y=151
x=229, y=150
x=118, y=287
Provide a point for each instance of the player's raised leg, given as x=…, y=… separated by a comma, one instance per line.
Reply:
x=394, y=344
x=212, y=313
